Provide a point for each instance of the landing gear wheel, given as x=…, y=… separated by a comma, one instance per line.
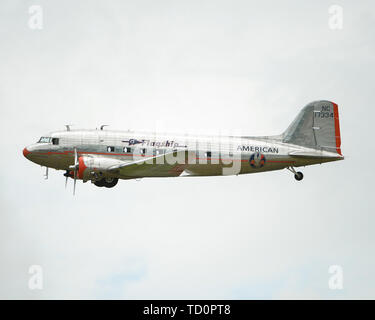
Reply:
x=110, y=182
x=106, y=182
x=99, y=183
x=298, y=176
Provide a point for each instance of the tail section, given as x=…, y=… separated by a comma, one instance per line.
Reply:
x=316, y=126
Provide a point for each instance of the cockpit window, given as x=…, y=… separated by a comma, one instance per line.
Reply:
x=44, y=140
x=55, y=141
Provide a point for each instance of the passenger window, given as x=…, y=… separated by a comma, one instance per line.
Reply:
x=55, y=141
x=208, y=154
x=127, y=150
x=111, y=149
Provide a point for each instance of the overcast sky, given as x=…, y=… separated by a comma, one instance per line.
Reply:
x=220, y=67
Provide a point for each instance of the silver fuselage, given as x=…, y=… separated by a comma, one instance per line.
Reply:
x=208, y=155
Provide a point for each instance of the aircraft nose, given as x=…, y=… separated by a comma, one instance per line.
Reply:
x=25, y=152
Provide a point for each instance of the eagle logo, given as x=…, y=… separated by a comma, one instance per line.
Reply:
x=257, y=160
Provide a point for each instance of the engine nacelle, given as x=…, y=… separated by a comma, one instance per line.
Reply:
x=91, y=168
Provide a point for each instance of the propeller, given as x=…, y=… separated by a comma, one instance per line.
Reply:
x=66, y=179
x=75, y=168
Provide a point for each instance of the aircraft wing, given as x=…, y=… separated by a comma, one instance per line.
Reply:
x=159, y=165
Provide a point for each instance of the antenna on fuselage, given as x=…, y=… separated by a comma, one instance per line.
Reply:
x=67, y=127
x=102, y=126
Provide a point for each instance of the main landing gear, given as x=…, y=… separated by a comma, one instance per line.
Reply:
x=106, y=182
x=99, y=181
x=297, y=175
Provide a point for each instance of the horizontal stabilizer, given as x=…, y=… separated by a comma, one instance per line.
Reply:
x=314, y=154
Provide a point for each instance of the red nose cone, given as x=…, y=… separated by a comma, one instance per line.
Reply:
x=25, y=152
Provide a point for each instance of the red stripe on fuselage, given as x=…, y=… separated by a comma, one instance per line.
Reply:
x=139, y=155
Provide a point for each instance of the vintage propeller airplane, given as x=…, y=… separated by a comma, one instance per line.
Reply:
x=104, y=156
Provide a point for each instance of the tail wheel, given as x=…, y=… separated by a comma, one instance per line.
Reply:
x=298, y=176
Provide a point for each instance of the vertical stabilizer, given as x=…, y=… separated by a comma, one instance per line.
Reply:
x=316, y=126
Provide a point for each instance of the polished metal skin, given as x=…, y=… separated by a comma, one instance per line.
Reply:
x=104, y=156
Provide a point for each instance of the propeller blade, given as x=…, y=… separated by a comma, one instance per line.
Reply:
x=74, y=168
x=76, y=164
x=75, y=180
x=75, y=157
